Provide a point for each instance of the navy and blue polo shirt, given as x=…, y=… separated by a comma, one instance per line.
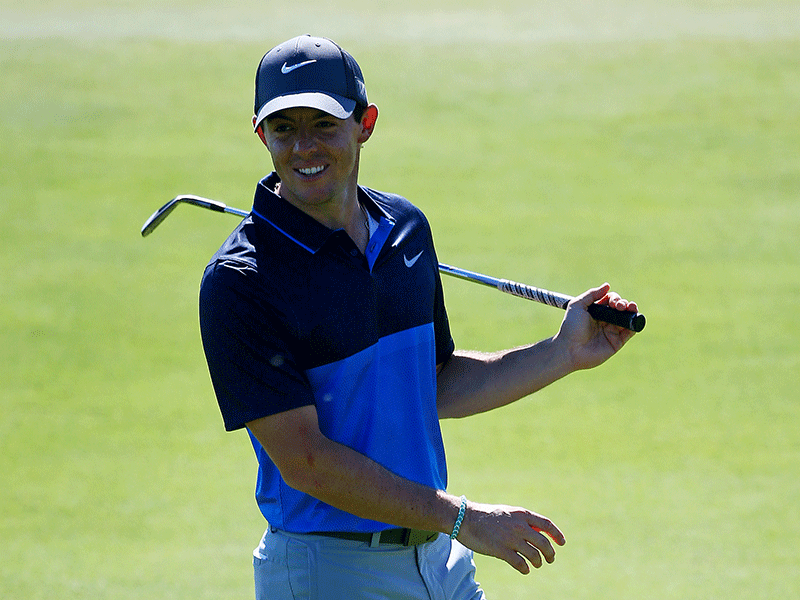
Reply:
x=293, y=314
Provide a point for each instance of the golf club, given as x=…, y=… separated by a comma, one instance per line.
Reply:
x=600, y=312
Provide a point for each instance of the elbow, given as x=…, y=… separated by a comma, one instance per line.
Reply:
x=303, y=473
x=303, y=456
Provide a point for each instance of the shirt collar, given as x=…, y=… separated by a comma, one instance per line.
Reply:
x=292, y=222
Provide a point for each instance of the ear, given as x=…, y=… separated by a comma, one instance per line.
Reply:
x=260, y=131
x=368, y=121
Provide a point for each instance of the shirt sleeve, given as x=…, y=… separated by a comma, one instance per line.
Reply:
x=445, y=346
x=248, y=351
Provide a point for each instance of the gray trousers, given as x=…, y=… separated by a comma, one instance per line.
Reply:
x=291, y=566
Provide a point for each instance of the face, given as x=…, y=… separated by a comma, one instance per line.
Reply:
x=316, y=157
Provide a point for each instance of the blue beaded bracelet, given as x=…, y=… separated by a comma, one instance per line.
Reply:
x=460, y=518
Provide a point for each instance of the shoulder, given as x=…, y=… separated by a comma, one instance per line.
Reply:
x=232, y=265
x=397, y=206
x=244, y=272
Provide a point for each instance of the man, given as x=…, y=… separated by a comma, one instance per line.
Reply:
x=326, y=335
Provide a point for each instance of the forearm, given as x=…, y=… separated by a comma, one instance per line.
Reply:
x=354, y=483
x=475, y=382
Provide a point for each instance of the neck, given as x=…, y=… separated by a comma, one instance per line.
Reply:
x=346, y=213
x=358, y=227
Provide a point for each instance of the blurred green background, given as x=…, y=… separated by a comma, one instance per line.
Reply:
x=650, y=144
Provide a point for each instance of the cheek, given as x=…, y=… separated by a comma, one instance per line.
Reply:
x=277, y=151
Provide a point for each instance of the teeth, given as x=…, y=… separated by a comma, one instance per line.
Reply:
x=311, y=171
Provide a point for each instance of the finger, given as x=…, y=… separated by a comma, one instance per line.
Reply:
x=534, y=557
x=538, y=546
x=546, y=526
x=518, y=562
x=614, y=301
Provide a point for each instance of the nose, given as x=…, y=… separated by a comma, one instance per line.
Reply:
x=304, y=142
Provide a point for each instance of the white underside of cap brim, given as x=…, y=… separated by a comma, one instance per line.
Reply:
x=339, y=107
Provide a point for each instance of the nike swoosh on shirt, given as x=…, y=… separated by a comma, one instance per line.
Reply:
x=285, y=69
x=410, y=263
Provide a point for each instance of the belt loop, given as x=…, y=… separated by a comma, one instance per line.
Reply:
x=407, y=533
x=376, y=539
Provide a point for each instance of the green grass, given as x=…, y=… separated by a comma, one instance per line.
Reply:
x=653, y=145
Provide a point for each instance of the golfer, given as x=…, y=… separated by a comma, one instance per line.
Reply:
x=326, y=336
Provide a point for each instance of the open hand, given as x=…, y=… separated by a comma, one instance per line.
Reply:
x=515, y=535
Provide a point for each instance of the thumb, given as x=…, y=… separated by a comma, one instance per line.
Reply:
x=591, y=296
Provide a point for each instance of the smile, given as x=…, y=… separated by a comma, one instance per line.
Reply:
x=311, y=170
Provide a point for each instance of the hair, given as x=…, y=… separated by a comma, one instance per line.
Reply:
x=358, y=112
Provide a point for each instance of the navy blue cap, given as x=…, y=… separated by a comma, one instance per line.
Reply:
x=308, y=72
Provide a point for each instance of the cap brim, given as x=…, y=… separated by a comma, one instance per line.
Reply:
x=339, y=107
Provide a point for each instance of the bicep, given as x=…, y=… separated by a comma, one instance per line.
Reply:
x=461, y=384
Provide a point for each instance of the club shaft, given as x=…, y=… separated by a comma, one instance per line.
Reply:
x=509, y=287
x=629, y=320
x=600, y=312
x=236, y=211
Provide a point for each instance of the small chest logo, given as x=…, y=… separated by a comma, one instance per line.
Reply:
x=410, y=262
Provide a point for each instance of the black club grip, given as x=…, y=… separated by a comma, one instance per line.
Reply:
x=628, y=320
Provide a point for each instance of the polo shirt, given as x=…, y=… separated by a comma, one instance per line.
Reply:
x=293, y=314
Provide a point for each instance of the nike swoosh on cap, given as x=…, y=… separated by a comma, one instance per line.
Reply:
x=285, y=69
x=410, y=263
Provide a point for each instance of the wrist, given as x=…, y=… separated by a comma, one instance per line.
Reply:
x=462, y=509
x=561, y=355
